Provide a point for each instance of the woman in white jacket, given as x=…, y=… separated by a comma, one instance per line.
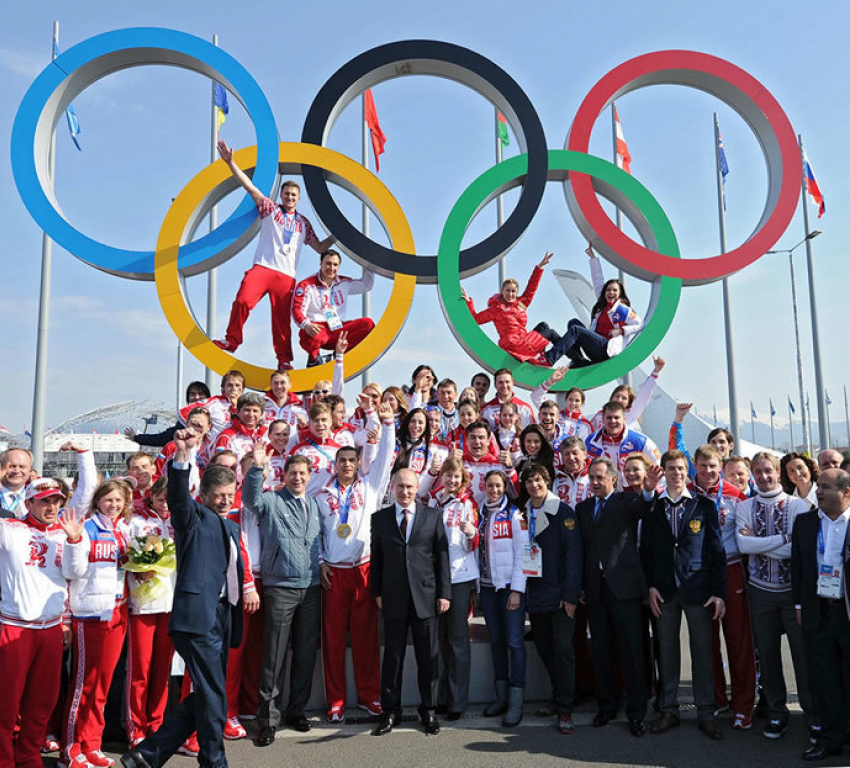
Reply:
x=99, y=611
x=150, y=650
x=504, y=535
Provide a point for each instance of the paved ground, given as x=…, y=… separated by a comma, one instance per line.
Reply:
x=477, y=741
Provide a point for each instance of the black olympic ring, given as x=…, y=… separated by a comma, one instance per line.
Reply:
x=426, y=57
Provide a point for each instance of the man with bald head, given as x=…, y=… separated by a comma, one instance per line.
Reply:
x=16, y=464
x=830, y=459
x=411, y=582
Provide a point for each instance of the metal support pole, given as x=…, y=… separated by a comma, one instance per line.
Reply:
x=820, y=392
x=803, y=409
x=727, y=304
x=212, y=275
x=500, y=203
x=365, y=299
x=40, y=385
x=846, y=415
x=179, y=394
x=791, y=425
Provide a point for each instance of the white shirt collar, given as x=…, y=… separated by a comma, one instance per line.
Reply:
x=686, y=494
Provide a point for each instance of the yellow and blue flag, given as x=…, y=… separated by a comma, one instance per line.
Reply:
x=221, y=106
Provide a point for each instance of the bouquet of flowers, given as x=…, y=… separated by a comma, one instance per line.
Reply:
x=151, y=553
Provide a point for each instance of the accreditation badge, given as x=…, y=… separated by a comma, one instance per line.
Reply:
x=332, y=319
x=532, y=561
x=829, y=581
x=343, y=530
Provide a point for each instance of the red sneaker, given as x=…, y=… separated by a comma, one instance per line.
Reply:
x=190, y=746
x=99, y=760
x=51, y=744
x=225, y=345
x=233, y=729
x=373, y=709
x=73, y=757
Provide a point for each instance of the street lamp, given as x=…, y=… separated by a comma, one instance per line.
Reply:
x=790, y=251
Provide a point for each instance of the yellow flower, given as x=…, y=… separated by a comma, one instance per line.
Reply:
x=158, y=547
x=148, y=547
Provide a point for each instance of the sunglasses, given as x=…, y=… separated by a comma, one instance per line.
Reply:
x=321, y=391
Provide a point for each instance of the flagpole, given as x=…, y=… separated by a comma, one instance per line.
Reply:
x=500, y=203
x=846, y=415
x=179, y=375
x=212, y=274
x=618, y=214
x=809, y=426
x=753, y=421
x=791, y=424
x=820, y=394
x=826, y=404
x=727, y=305
x=803, y=420
x=40, y=385
x=715, y=415
x=365, y=299
x=772, y=434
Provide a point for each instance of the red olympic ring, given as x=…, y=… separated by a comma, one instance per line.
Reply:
x=756, y=106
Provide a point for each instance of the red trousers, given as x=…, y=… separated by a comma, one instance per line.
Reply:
x=97, y=647
x=243, y=664
x=149, y=654
x=30, y=668
x=739, y=646
x=357, y=330
x=349, y=604
x=257, y=282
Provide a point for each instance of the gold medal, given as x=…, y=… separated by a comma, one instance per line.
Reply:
x=343, y=531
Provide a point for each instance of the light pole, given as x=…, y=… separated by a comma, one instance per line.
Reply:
x=790, y=251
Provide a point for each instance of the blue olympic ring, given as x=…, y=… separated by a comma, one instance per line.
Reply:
x=77, y=68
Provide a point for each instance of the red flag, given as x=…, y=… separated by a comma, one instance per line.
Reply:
x=624, y=157
x=378, y=138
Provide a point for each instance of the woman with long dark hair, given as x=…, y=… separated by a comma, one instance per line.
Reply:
x=535, y=448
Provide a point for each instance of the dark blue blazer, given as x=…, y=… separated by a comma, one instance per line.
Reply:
x=203, y=552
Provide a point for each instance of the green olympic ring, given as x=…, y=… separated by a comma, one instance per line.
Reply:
x=647, y=216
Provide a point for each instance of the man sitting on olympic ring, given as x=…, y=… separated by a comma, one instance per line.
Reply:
x=319, y=308
x=283, y=233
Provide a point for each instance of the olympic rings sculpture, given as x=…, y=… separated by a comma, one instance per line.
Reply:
x=584, y=177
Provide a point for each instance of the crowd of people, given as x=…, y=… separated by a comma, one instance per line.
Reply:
x=299, y=521
x=272, y=524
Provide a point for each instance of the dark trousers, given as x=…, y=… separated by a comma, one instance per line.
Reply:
x=553, y=638
x=205, y=709
x=772, y=614
x=830, y=660
x=454, y=648
x=424, y=633
x=291, y=614
x=507, y=630
x=608, y=617
x=702, y=666
x=579, y=339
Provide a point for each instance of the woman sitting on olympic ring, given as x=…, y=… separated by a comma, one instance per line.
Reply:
x=613, y=323
x=507, y=311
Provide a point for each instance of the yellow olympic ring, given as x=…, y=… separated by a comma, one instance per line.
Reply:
x=213, y=183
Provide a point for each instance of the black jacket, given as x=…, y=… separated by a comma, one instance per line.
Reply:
x=417, y=571
x=695, y=556
x=804, y=569
x=557, y=534
x=157, y=439
x=612, y=541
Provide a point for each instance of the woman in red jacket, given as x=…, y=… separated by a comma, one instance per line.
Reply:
x=507, y=311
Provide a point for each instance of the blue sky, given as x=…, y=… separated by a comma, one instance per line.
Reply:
x=146, y=133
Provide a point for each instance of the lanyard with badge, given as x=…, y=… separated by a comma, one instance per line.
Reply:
x=323, y=452
x=15, y=499
x=328, y=308
x=290, y=226
x=532, y=558
x=829, y=576
x=343, y=530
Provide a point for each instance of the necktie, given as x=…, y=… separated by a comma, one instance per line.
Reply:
x=597, y=510
x=674, y=517
x=404, y=523
x=232, y=575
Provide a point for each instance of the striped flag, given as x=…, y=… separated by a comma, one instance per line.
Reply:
x=791, y=406
x=222, y=108
x=812, y=185
x=502, y=129
x=724, y=166
x=752, y=410
x=378, y=137
x=624, y=158
x=70, y=113
x=4, y=430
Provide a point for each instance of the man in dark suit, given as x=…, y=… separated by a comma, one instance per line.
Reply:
x=687, y=574
x=820, y=588
x=614, y=588
x=411, y=582
x=206, y=619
